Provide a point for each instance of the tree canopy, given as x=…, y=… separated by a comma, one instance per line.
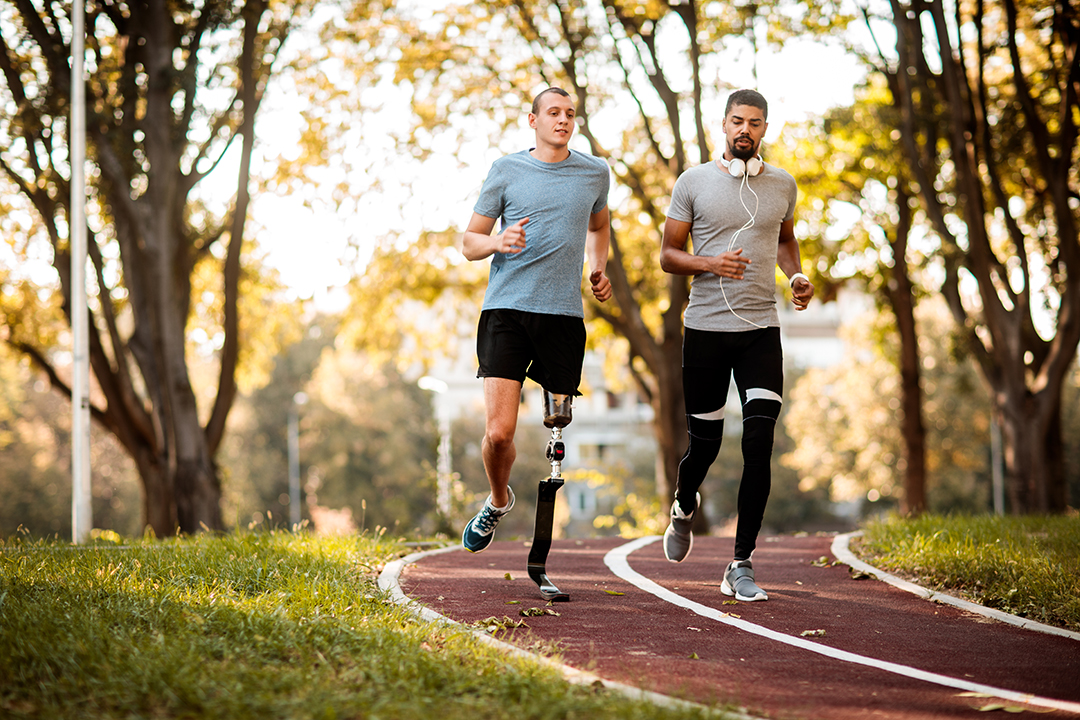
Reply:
x=987, y=100
x=172, y=97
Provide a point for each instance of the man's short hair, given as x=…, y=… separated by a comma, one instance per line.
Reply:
x=536, y=100
x=747, y=97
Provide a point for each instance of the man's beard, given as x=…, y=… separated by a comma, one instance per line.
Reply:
x=741, y=153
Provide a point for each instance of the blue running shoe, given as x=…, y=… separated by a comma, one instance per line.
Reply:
x=480, y=531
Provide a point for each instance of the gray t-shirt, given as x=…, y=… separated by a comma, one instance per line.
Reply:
x=558, y=198
x=709, y=199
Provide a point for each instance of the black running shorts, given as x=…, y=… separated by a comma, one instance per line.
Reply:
x=710, y=359
x=515, y=344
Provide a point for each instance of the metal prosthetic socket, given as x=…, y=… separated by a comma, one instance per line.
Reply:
x=557, y=415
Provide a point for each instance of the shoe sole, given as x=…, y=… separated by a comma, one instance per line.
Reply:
x=478, y=550
x=727, y=590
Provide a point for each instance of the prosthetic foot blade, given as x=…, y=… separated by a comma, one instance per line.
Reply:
x=545, y=518
x=548, y=591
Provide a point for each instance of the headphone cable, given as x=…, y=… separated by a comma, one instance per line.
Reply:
x=746, y=226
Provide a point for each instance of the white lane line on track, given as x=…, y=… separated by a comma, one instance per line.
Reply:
x=390, y=582
x=617, y=561
x=841, y=549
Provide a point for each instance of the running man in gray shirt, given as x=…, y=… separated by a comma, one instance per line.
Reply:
x=740, y=213
x=553, y=207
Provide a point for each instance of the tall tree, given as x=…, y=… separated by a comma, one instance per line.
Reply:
x=173, y=87
x=644, y=76
x=987, y=99
x=847, y=158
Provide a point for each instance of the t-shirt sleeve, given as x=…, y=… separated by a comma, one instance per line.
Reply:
x=601, y=197
x=682, y=202
x=492, y=194
x=793, y=196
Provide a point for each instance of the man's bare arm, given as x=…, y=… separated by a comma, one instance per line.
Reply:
x=478, y=242
x=597, y=243
x=675, y=259
x=788, y=259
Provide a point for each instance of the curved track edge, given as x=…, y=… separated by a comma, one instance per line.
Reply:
x=389, y=582
x=842, y=551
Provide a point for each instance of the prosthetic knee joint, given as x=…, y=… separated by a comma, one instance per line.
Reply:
x=557, y=415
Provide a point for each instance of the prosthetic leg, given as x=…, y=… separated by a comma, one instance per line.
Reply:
x=557, y=415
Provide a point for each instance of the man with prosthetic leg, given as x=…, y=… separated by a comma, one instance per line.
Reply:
x=740, y=213
x=552, y=203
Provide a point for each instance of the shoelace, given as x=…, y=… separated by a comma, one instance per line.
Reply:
x=487, y=520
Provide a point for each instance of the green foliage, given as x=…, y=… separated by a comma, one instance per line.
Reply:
x=250, y=625
x=626, y=495
x=851, y=177
x=844, y=421
x=254, y=456
x=367, y=442
x=1028, y=566
x=414, y=299
x=35, y=461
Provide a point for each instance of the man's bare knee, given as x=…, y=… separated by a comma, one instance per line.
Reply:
x=499, y=439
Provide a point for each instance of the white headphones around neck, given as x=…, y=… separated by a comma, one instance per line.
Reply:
x=737, y=168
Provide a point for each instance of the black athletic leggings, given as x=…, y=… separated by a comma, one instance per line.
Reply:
x=756, y=361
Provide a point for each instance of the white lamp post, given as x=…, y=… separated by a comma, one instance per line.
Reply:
x=443, y=468
x=81, y=511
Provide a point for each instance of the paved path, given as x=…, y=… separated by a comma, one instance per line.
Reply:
x=823, y=646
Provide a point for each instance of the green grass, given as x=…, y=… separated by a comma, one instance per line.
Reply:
x=1028, y=566
x=251, y=625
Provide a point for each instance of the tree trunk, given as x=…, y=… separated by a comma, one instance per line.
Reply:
x=1034, y=457
x=159, y=504
x=669, y=421
x=913, y=431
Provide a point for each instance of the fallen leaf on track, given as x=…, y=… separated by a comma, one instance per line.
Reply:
x=537, y=611
x=494, y=624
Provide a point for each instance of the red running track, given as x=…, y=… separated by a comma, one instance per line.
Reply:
x=624, y=633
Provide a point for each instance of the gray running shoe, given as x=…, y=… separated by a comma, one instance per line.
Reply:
x=739, y=581
x=678, y=538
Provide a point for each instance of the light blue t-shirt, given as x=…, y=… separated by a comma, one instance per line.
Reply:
x=558, y=198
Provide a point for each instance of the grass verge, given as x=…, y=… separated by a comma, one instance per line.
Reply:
x=1027, y=566
x=267, y=625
